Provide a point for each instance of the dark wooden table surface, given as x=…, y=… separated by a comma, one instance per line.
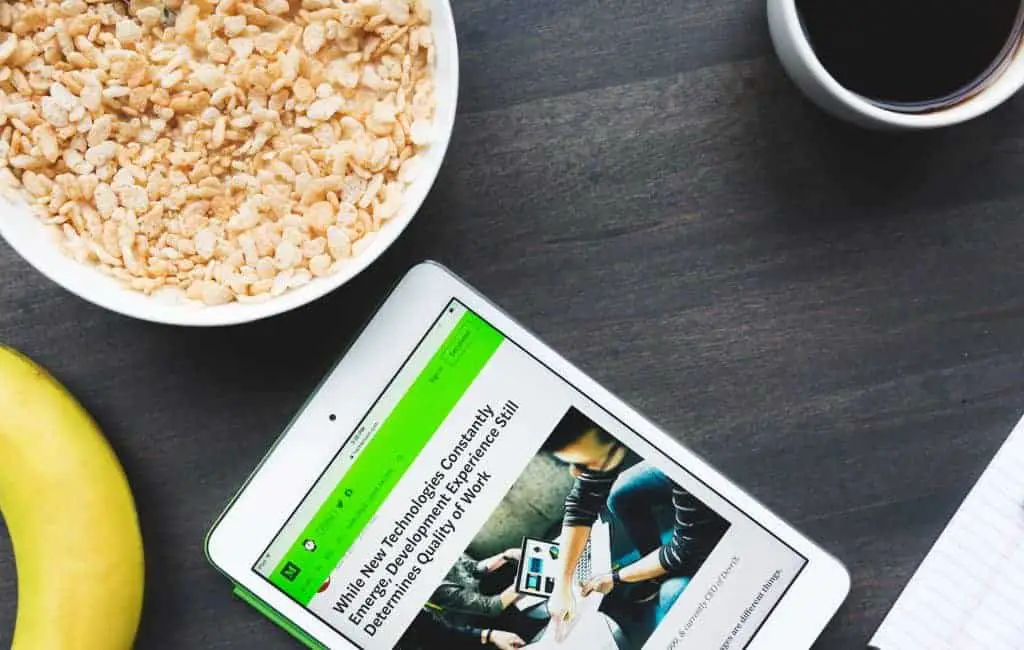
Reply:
x=833, y=317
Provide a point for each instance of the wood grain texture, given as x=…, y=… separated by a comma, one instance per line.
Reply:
x=833, y=317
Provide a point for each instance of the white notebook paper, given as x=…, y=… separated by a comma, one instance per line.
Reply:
x=968, y=594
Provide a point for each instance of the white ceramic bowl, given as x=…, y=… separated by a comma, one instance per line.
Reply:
x=34, y=242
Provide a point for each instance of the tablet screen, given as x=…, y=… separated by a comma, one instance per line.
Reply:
x=412, y=535
x=537, y=572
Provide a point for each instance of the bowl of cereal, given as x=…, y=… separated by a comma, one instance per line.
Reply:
x=213, y=162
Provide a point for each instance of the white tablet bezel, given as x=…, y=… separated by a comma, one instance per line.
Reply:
x=279, y=484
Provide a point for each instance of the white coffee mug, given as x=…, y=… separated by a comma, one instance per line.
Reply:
x=803, y=66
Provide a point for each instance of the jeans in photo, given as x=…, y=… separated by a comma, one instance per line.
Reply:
x=633, y=499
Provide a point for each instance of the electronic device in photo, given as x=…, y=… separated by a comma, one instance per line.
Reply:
x=536, y=575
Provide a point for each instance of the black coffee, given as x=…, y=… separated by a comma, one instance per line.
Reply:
x=914, y=53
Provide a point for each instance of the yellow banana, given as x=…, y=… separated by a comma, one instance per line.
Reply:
x=71, y=517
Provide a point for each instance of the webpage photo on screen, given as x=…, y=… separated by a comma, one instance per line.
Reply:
x=485, y=501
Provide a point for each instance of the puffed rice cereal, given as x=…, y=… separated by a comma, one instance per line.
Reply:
x=214, y=150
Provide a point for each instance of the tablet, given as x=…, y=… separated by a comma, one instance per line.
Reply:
x=537, y=572
x=447, y=434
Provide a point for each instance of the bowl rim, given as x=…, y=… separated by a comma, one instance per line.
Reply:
x=191, y=315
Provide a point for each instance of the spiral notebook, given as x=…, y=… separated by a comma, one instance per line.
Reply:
x=968, y=594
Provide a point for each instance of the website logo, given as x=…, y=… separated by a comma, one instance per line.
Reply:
x=290, y=571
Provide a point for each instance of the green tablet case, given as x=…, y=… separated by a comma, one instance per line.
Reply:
x=277, y=618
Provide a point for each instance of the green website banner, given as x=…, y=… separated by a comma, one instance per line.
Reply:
x=315, y=553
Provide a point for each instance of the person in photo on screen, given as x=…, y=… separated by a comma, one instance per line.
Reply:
x=432, y=630
x=596, y=461
x=454, y=635
x=477, y=618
